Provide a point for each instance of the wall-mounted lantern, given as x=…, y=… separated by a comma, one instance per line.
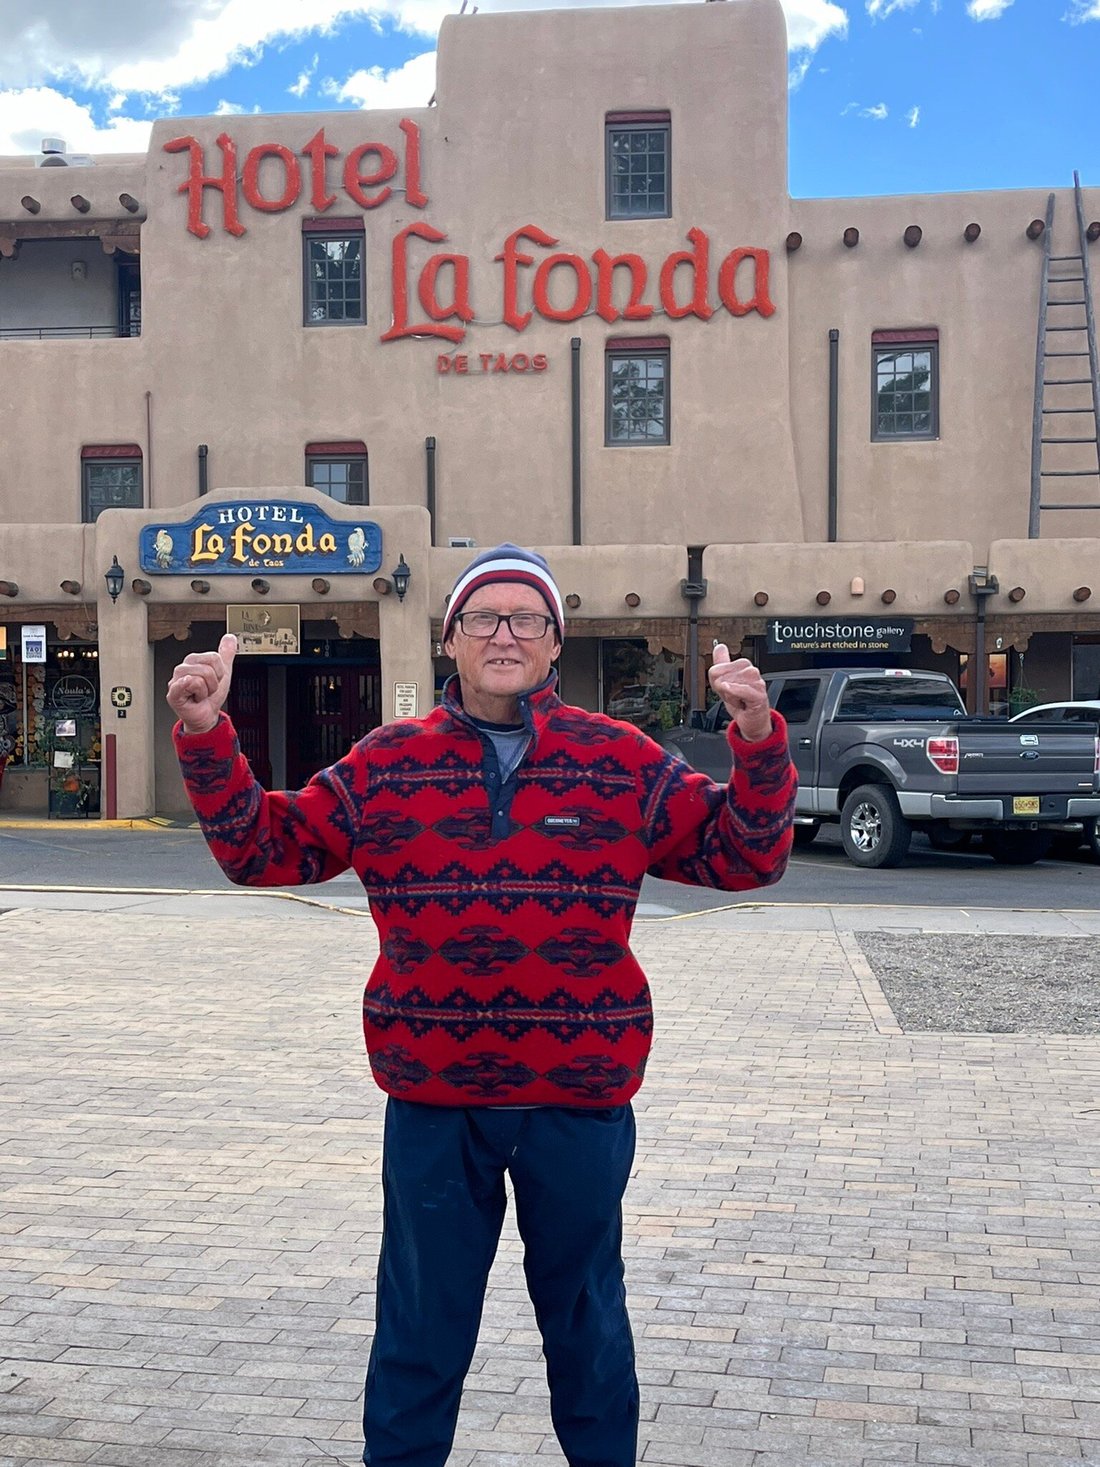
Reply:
x=401, y=575
x=115, y=577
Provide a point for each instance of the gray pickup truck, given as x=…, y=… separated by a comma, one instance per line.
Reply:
x=885, y=751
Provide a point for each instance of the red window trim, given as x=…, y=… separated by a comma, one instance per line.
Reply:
x=655, y=117
x=925, y=335
x=637, y=343
x=352, y=224
x=336, y=450
x=110, y=450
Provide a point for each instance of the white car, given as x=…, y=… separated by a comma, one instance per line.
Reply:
x=1081, y=710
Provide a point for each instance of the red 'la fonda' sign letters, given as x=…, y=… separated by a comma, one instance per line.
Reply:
x=579, y=284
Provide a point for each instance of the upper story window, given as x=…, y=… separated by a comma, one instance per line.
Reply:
x=334, y=251
x=339, y=470
x=111, y=478
x=639, y=157
x=905, y=386
x=637, y=390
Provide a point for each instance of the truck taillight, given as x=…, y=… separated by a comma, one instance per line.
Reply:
x=1096, y=762
x=944, y=754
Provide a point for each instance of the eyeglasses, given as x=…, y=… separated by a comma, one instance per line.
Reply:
x=525, y=626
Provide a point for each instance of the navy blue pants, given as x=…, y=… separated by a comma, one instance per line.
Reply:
x=443, y=1181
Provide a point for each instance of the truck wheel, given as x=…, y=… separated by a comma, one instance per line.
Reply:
x=1092, y=837
x=946, y=839
x=805, y=835
x=872, y=827
x=1017, y=847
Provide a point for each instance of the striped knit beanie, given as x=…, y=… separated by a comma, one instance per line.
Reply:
x=505, y=563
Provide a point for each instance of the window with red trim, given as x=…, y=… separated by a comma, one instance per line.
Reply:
x=333, y=265
x=636, y=391
x=339, y=469
x=638, y=160
x=110, y=478
x=905, y=384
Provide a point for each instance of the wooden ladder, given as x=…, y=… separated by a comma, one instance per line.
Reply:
x=1072, y=356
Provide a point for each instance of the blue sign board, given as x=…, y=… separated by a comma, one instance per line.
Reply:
x=273, y=536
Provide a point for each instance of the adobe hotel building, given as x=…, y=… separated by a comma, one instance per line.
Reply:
x=570, y=303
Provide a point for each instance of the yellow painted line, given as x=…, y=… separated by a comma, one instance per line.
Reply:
x=34, y=823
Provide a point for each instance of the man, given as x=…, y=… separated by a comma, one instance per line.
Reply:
x=502, y=841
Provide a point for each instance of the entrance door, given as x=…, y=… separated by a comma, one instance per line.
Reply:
x=247, y=707
x=328, y=710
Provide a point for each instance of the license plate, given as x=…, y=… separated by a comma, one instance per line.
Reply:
x=1025, y=805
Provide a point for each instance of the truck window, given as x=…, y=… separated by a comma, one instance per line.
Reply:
x=868, y=698
x=796, y=699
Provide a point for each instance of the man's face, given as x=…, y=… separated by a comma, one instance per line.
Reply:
x=502, y=666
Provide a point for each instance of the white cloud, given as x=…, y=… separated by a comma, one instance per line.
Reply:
x=410, y=85
x=29, y=114
x=986, y=9
x=134, y=46
x=912, y=117
x=301, y=86
x=881, y=9
x=809, y=22
x=850, y=107
x=1083, y=10
x=879, y=111
x=797, y=74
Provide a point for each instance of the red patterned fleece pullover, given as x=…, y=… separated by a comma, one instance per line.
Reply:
x=505, y=975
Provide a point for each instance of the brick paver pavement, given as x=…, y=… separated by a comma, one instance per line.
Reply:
x=845, y=1245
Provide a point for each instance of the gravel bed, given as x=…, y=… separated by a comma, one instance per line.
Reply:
x=989, y=984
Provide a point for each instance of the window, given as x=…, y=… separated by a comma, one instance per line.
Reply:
x=338, y=470
x=110, y=479
x=905, y=387
x=796, y=699
x=334, y=251
x=898, y=698
x=638, y=149
x=637, y=399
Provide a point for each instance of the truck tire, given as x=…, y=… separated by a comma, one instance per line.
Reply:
x=1092, y=837
x=873, y=829
x=1017, y=847
x=943, y=838
x=805, y=835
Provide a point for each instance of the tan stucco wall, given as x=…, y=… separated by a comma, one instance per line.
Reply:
x=792, y=576
x=1049, y=571
x=226, y=361
x=973, y=482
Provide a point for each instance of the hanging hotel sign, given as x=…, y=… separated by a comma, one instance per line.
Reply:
x=838, y=634
x=266, y=631
x=430, y=289
x=279, y=537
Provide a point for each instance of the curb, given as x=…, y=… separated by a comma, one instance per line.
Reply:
x=154, y=822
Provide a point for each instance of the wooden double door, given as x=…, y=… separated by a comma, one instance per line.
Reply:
x=329, y=707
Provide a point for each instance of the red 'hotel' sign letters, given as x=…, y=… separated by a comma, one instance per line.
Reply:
x=580, y=282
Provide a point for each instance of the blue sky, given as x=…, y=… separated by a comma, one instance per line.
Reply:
x=887, y=96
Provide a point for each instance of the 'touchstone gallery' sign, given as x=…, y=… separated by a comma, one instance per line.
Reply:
x=839, y=634
x=278, y=537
